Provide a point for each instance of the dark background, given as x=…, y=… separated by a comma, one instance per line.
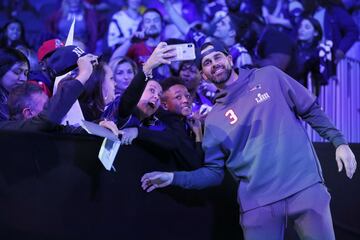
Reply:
x=53, y=187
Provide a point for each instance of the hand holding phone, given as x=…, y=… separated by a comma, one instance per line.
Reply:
x=184, y=52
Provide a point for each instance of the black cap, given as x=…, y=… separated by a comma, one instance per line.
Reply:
x=217, y=46
x=64, y=59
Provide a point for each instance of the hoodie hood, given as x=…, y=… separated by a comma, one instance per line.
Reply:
x=224, y=95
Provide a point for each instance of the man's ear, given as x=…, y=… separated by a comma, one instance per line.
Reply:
x=26, y=112
x=232, y=33
x=229, y=57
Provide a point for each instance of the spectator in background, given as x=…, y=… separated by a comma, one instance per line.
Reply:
x=90, y=26
x=233, y=6
x=12, y=34
x=270, y=46
x=152, y=29
x=308, y=59
x=14, y=68
x=186, y=8
x=31, y=56
x=337, y=24
x=191, y=77
x=46, y=49
x=212, y=7
x=99, y=91
x=279, y=16
x=124, y=71
x=124, y=24
x=228, y=28
x=251, y=6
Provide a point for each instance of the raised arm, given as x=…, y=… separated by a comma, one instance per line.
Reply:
x=123, y=107
x=133, y=93
x=176, y=18
x=57, y=107
x=211, y=174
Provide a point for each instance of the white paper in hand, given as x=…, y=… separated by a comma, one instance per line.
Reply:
x=96, y=129
x=108, y=153
x=110, y=145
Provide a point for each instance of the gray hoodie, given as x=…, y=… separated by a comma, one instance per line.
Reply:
x=255, y=130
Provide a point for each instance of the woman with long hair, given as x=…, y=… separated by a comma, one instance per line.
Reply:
x=124, y=71
x=99, y=91
x=13, y=34
x=309, y=35
x=14, y=68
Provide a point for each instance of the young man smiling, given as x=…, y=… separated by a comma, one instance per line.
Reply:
x=254, y=129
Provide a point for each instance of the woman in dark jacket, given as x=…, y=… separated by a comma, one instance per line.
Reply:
x=309, y=62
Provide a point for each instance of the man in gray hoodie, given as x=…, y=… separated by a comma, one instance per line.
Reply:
x=255, y=131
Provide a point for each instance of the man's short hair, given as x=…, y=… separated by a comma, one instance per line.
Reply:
x=154, y=10
x=20, y=97
x=171, y=81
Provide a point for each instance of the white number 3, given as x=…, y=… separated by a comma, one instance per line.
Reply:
x=232, y=116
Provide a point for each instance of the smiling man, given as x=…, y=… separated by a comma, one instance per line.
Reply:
x=255, y=131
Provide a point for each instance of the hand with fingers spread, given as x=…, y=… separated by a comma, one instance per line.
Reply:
x=151, y=181
x=161, y=55
x=128, y=135
x=345, y=157
x=110, y=125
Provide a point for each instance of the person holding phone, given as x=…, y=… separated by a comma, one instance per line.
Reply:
x=149, y=141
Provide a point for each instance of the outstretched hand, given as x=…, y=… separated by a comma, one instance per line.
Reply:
x=128, y=135
x=161, y=55
x=151, y=181
x=110, y=125
x=345, y=157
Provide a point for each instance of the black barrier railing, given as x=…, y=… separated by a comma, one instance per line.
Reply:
x=52, y=186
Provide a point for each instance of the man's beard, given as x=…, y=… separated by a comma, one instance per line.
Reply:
x=225, y=76
x=152, y=34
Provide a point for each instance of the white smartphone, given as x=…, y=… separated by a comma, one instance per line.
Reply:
x=184, y=52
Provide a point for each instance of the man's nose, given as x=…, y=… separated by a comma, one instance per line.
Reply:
x=185, y=99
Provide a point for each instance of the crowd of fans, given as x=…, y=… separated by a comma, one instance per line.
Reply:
x=119, y=68
x=306, y=39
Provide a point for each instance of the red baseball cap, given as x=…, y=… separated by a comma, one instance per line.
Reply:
x=42, y=86
x=48, y=47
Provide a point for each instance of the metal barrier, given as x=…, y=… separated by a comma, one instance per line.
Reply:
x=340, y=99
